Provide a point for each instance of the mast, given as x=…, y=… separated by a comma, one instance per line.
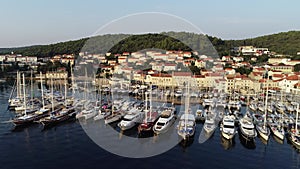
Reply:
x=31, y=89
x=266, y=100
x=297, y=118
x=85, y=86
x=18, y=85
x=42, y=89
x=150, y=100
x=52, y=99
x=146, y=99
x=24, y=93
x=65, y=90
x=72, y=79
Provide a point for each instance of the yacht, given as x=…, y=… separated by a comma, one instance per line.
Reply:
x=277, y=130
x=210, y=123
x=228, y=129
x=247, y=127
x=235, y=105
x=131, y=119
x=207, y=103
x=149, y=121
x=166, y=119
x=186, y=126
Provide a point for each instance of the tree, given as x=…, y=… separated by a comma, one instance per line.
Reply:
x=243, y=70
x=297, y=68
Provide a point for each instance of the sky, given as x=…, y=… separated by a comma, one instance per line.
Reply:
x=34, y=22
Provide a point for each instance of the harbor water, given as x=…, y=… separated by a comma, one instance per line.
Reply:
x=68, y=146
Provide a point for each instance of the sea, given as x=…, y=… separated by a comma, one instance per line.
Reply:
x=68, y=146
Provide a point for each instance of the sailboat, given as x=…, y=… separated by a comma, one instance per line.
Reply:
x=294, y=135
x=150, y=116
x=17, y=100
x=58, y=114
x=262, y=128
x=90, y=108
x=33, y=104
x=187, y=121
x=26, y=118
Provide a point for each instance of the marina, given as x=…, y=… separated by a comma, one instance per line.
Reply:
x=224, y=138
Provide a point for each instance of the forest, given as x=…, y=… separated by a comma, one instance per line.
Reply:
x=283, y=43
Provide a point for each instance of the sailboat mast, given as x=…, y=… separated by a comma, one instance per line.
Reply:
x=18, y=84
x=24, y=93
x=52, y=99
x=150, y=100
x=31, y=88
x=297, y=118
x=266, y=100
x=146, y=99
x=43, y=101
x=65, y=90
x=72, y=74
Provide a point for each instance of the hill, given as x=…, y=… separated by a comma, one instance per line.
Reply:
x=283, y=43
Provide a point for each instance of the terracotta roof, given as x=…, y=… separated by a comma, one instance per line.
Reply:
x=213, y=74
x=198, y=76
x=161, y=75
x=182, y=74
x=293, y=77
x=278, y=75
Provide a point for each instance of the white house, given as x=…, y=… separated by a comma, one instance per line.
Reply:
x=238, y=59
x=170, y=67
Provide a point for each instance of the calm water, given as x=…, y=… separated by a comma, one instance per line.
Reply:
x=67, y=146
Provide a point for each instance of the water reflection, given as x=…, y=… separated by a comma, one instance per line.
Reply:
x=186, y=143
x=249, y=144
x=278, y=140
x=227, y=144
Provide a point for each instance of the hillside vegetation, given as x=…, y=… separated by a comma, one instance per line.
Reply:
x=283, y=43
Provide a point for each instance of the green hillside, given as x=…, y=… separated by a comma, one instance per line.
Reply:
x=283, y=43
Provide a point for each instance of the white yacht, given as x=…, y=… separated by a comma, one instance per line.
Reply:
x=166, y=119
x=228, y=129
x=247, y=127
x=131, y=119
x=87, y=114
x=210, y=123
x=207, y=103
x=186, y=126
